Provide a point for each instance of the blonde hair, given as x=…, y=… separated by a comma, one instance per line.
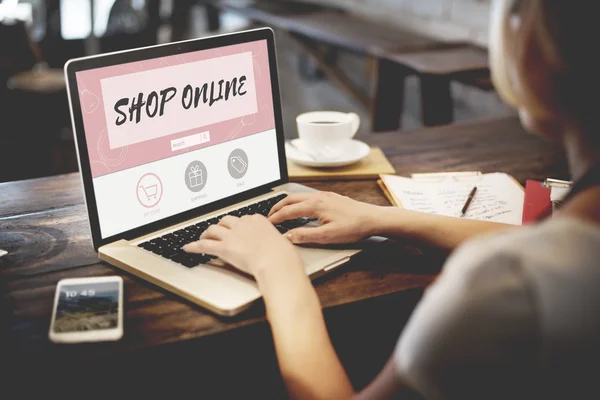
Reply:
x=499, y=39
x=550, y=55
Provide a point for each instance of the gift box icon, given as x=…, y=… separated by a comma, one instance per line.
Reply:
x=196, y=177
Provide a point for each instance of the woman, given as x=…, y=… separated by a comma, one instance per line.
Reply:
x=514, y=314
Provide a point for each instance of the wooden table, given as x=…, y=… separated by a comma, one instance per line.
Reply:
x=171, y=343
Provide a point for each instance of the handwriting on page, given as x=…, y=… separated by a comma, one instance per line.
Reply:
x=498, y=197
x=489, y=206
x=417, y=200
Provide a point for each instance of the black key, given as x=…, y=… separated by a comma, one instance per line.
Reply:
x=158, y=250
x=169, y=237
x=192, y=235
x=170, y=252
x=179, y=258
x=263, y=211
x=235, y=213
x=189, y=260
x=280, y=197
x=275, y=200
x=168, y=241
x=145, y=245
x=244, y=211
x=165, y=243
x=203, y=226
x=183, y=243
x=201, y=258
x=192, y=260
x=281, y=229
x=294, y=223
x=176, y=253
x=213, y=221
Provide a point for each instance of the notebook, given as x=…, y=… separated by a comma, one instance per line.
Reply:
x=499, y=197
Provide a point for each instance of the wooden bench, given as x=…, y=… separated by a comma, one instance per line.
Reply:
x=436, y=70
x=315, y=27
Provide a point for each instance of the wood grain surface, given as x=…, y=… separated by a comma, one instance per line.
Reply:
x=449, y=61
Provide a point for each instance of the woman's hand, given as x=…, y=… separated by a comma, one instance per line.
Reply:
x=251, y=244
x=344, y=220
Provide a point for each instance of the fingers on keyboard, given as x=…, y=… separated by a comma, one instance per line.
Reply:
x=170, y=245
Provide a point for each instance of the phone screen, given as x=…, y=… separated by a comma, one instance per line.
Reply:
x=87, y=307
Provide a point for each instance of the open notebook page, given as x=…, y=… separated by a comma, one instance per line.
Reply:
x=499, y=198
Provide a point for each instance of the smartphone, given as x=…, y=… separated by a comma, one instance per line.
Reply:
x=87, y=310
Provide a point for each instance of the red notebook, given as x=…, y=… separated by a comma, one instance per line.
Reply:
x=537, y=202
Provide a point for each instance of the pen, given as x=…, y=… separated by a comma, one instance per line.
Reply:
x=468, y=202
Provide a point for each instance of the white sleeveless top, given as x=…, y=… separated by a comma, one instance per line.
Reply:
x=512, y=316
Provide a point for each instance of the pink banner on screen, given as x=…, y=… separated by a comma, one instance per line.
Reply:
x=145, y=111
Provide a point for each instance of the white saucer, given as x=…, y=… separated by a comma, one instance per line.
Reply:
x=350, y=153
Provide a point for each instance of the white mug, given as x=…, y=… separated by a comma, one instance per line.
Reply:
x=327, y=128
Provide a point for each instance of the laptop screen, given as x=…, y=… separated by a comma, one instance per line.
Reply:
x=169, y=134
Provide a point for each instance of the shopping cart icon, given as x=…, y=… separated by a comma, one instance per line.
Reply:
x=150, y=191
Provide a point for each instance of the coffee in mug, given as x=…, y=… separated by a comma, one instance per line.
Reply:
x=327, y=128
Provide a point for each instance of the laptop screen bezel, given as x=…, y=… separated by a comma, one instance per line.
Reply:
x=122, y=57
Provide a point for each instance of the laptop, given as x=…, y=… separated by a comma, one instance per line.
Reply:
x=170, y=139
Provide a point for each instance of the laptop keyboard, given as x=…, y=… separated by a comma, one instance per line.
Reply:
x=170, y=245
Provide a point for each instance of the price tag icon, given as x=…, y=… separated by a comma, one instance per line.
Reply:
x=237, y=164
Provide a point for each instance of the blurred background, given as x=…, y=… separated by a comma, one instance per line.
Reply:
x=37, y=37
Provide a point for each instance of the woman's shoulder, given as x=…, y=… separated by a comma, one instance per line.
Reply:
x=561, y=244
x=555, y=263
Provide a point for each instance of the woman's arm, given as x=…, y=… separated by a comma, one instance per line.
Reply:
x=387, y=385
x=346, y=221
x=439, y=231
x=307, y=360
